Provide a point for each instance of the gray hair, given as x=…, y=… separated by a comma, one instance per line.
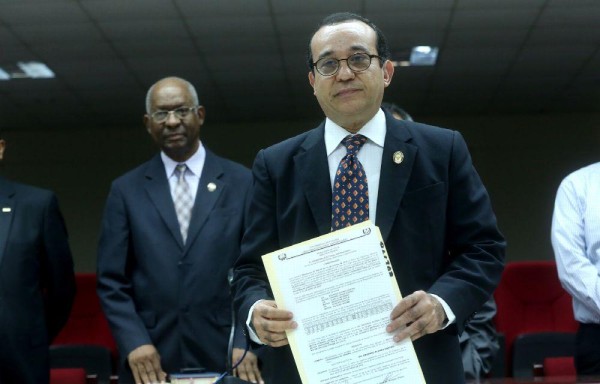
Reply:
x=189, y=85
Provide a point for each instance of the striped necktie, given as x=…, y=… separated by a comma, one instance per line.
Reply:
x=183, y=200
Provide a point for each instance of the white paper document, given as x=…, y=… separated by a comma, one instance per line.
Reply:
x=341, y=288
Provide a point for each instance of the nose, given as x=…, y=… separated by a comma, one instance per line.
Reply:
x=172, y=120
x=344, y=72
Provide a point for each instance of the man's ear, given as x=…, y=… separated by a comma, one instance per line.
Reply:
x=388, y=72
x=201, y=112
x=311, y=79
x=147, y=123
x=2, y=147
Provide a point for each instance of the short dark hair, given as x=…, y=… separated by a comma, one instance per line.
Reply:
x=393, y=108
x=337, y=18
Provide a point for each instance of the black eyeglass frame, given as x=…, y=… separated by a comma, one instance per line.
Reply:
x=177, y=112
x=316, y=67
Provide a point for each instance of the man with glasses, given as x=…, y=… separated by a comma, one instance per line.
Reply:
x=171, y=230
x=433, y=211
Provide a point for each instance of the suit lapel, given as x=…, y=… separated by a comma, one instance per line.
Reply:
x=7, y=208
x=157, y=187
x=210, y=188
x=394, y=176
x=313, y=170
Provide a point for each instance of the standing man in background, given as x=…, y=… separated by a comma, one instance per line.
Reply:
x=479, y=341
x=433, y=211
x=576, y=243
x=172, y=229
x=37, y=281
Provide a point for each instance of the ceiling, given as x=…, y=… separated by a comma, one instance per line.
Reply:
x=247, y=57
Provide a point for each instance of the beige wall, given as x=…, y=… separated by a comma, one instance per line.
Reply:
x=521, y=159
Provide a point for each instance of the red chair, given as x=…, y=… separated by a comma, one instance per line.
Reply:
x=67, y=376
x=531, y=300
x=559, y=367
x=86, y=340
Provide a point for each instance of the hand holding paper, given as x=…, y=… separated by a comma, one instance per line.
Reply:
x=271, y=323
x=416, y=315
x=339, y=290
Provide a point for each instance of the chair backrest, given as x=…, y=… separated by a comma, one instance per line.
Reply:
x=531, y=349
x=530, y=299
x=559, y=367
x=95, y=360
x=87, y=323
x=87, y=326
x=67, y=376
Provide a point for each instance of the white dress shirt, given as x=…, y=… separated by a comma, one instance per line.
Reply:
x=192, y=175
x=576, y=240
x=369, y=154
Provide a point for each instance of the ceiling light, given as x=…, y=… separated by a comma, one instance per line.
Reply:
x=423, y=55
x=36, y=70
x=4, y=75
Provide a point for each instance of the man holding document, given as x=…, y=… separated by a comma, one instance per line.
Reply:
x=415, y=182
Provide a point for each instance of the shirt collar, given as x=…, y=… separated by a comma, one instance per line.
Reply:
x=374, y=130
x=194, y=163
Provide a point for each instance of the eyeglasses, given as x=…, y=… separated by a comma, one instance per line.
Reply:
x=358, y=62
x=180, y=113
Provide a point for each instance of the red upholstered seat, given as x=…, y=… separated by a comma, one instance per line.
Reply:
x=67, y=376
x=86, y=340
x=530, y=299
x=559, y=367
x=87, y=323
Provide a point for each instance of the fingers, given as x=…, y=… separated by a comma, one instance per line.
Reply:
x=416, y=315
x=248, y=369
x=144, y=362
x=271, y=323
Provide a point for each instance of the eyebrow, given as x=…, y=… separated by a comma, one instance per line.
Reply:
x=352, y=48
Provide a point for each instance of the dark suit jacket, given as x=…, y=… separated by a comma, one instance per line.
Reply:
x=154, y=290
x=37, y=281
x=433, y=212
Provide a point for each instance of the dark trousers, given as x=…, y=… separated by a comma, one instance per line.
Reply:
x=587, y=349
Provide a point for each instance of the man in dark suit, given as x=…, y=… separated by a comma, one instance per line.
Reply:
x=479, y=341
x=432, y=209
x=171, y=231
x=37, y=281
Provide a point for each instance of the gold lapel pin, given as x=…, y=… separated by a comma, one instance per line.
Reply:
x=211, y=187
x=398, y=157
x=6, y=209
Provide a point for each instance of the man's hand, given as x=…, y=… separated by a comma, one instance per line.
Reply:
x=416, y=315
x=248, y=368
x=270, y=323
x=145, y=365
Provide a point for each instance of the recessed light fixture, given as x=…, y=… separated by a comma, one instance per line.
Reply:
x=4, y=75
x=422, y=55
x=36, y=69
x=26, y=70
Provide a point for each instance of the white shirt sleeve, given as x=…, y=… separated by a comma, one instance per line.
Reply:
x=571, y=235
x=449, y=314
x=251, y=332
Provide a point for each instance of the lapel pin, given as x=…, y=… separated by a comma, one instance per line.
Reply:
x=6, y=209
x=398, y=157
x=211, y=187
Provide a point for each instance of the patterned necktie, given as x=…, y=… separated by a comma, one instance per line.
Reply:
x=350, y=199
x=183, y=200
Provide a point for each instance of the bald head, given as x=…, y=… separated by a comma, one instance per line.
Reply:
x=171, y=80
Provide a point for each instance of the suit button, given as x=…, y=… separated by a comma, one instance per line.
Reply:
x=185, y=309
